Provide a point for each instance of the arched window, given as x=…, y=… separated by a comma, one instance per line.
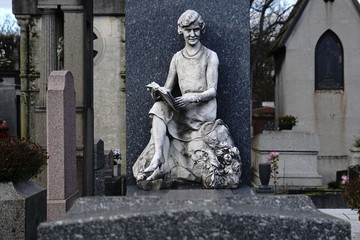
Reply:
x=329, y=63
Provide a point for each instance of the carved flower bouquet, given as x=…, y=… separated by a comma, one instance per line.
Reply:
x=221, y=164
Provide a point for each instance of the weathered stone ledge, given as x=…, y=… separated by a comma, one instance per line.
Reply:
x=195, y=214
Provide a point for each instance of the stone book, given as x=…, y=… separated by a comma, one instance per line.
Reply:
x=159, y=93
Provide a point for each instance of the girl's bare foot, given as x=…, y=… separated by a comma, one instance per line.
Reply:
x=157, y=160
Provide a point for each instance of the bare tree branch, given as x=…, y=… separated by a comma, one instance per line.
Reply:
x=8, y=25
x=9, y=42
x=266, y=19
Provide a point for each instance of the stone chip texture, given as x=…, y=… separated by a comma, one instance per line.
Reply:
x=184, y=214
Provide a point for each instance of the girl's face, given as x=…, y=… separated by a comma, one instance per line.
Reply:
x=192, y=33
x=3, y=125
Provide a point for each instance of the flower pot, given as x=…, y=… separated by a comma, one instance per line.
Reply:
x=285, y=126
x=264, y=172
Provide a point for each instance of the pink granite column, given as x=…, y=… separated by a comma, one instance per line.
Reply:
x=61, y=144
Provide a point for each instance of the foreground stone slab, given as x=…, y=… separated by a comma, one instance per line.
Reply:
x=22, y=208
x=195, y=214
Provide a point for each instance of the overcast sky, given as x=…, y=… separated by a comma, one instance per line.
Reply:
x=5, y=4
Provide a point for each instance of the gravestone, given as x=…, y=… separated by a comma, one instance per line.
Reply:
x=191, y=213
x=114, y=184
x=151, y=42
x=99, y=157
x=61, y=144
x=99, y=168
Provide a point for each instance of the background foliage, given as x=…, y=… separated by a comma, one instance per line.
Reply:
x=351, y=194
x=20, y=159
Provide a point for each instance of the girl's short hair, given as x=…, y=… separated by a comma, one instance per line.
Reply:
x=189, y=17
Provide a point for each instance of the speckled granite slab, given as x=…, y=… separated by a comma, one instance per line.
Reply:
x=195, y=214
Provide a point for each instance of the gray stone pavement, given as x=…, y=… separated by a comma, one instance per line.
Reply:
x=348, y=215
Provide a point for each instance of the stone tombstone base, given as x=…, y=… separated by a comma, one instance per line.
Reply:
x=297, y=159
x=22, y=208
x=195, y=214
x=56, y=208
x=100, y=166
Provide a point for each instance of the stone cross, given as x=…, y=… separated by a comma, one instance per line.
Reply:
x=61, y=144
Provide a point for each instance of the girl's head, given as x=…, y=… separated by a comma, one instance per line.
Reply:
x=188, y=18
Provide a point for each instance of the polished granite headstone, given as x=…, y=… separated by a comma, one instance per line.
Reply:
x=151, y=41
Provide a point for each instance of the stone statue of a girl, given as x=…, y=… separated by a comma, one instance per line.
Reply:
x=188, y=143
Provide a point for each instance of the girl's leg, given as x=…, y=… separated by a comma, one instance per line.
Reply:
x=159, y=136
